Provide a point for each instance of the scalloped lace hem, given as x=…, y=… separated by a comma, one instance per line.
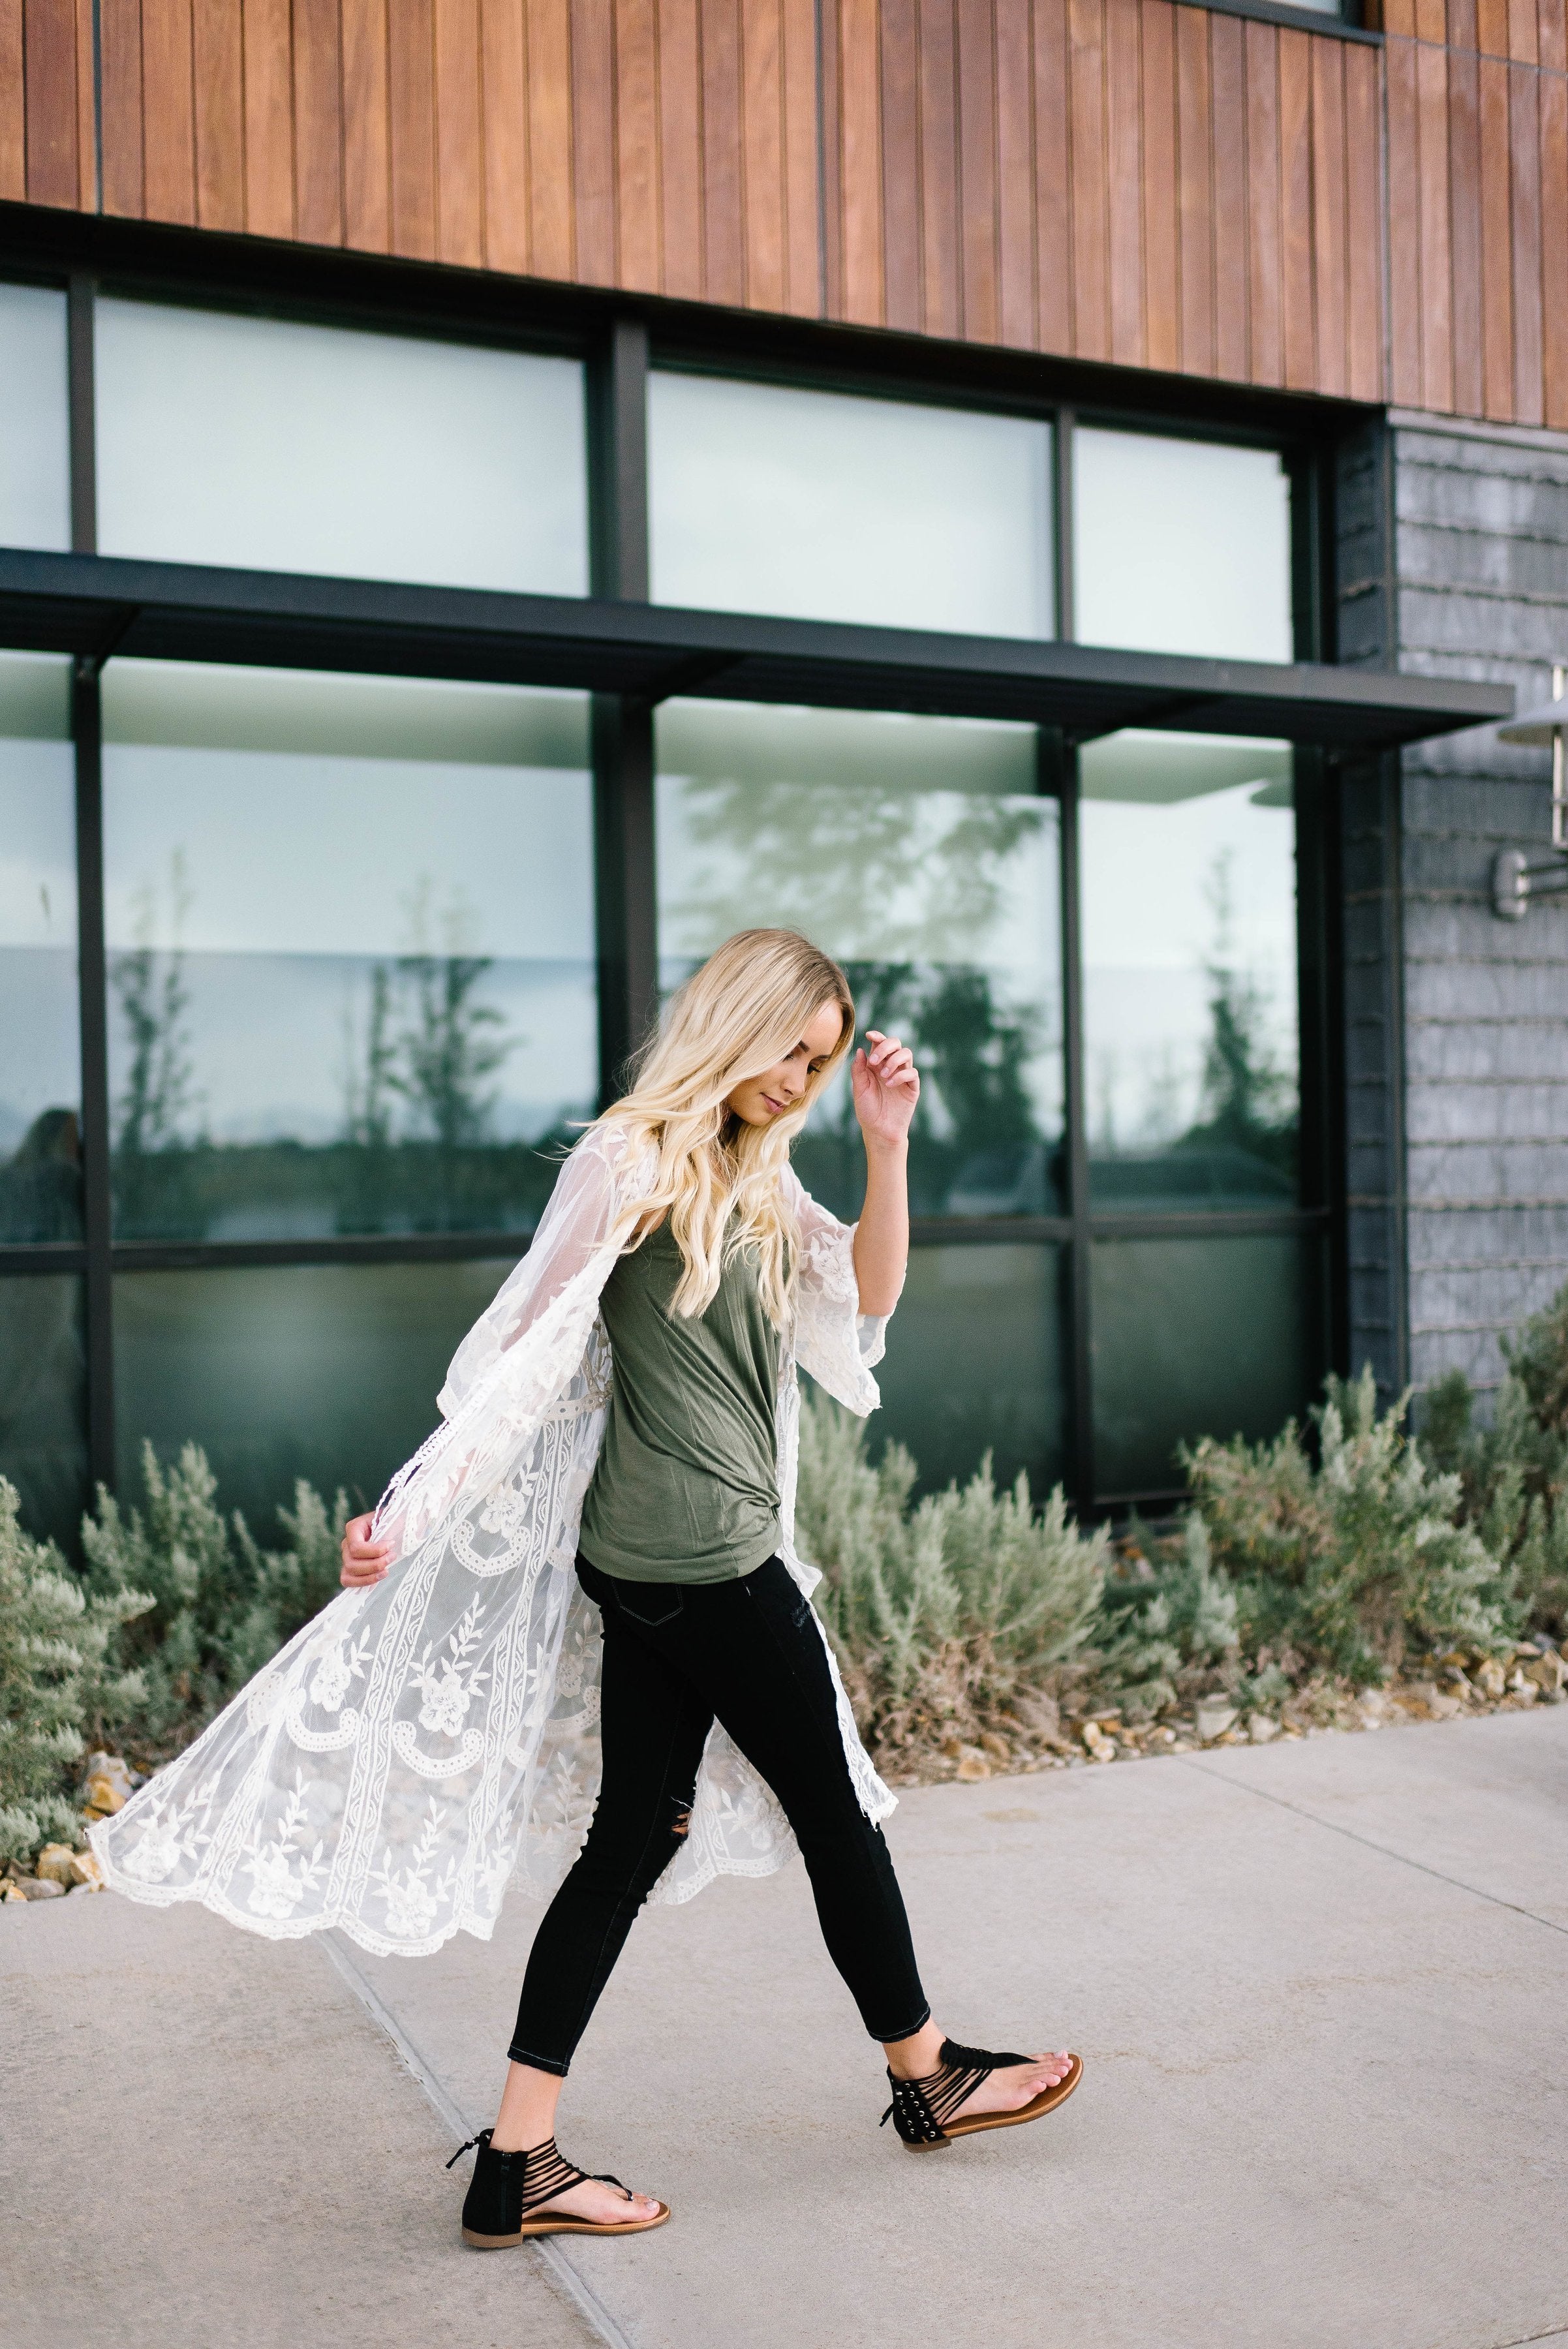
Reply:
x=291, y=1928
x=673, y=1895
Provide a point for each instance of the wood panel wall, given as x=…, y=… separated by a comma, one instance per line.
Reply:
x=1477, y=163
x=1143, y=182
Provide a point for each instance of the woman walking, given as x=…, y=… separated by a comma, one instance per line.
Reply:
x=617, y=1450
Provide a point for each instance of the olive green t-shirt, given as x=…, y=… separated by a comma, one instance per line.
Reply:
x=686, y=1487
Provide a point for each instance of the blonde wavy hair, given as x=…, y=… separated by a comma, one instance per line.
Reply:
x=715, y=1178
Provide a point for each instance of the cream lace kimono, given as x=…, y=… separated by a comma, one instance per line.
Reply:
x=418, y=1740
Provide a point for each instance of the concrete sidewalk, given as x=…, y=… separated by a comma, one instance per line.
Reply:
x=1321, y=1990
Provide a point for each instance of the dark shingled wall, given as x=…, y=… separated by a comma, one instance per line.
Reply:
x=1454, y=559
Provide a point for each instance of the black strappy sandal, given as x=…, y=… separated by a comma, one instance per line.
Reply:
x=920, y=2109
x=505, y=2186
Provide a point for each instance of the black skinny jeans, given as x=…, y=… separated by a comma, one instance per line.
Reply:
x=677, y=1656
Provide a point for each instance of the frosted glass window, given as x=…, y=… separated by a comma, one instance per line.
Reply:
x=974, y=1363
x=40, y=1082
x=43, y=1401
x=351, y=960
x=1189, y=883
x=1194, y=1338
x=273, y=446
x=916, y=852
x=817, y=506
x=328, y=1372
x=1181, y=546
x=34, y=441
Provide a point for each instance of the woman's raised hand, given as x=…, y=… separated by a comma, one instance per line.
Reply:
x=887, y=1085
x=364, y=1561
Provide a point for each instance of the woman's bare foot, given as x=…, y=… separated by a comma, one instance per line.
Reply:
x=603, y=2204
x=1007, y=2090
x=1017, y=2084
x=527, y=2117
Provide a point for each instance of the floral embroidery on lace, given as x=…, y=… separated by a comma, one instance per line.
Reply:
x=339, y=1668
x=282, y=1872
x=413, y=1896
x=448, y=1689
x=424, y=1742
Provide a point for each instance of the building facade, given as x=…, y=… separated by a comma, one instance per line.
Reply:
x=1051, y=497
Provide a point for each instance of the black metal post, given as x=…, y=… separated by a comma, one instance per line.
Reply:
x=86, y=734
x=1320, y=993
x=1311, y=572
x=617, y=444
x=1081, y=1413
x=624, y=893
x=1062, y=519
x=81, y=412
x=87, y=730
x=623, y=744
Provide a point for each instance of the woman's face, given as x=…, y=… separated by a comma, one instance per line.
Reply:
x=759, y=1100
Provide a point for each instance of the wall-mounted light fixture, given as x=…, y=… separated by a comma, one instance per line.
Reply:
x=1515, y=879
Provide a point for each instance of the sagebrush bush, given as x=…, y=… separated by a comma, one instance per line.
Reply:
x=1513, y=1473
x=1350, y=1564
x=1161, y=1640
x=220, y=1604
x=177, y=1608
x=1338, y=1563
x=941, y=1609
x=60, y=1678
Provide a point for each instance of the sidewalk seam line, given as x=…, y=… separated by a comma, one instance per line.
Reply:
x=426, y=2077
x=1386, y=1851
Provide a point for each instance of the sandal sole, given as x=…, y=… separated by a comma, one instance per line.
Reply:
x=532, y=2226
x=1046, y=2102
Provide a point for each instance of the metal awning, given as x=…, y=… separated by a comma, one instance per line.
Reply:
x=100, y=605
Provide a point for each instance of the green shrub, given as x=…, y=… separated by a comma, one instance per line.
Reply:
x=60, y=1679
x=220, y=1604
x=177, y=1608
x=1164, y=1638
x=940, y=1610
x=949, y=1614
x=1353, y=1564
x=1513, y=1474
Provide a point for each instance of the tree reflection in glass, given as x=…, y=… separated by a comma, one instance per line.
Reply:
x=917, y=852
x=40, y=1150
x=350, y=951
x=1190, y=972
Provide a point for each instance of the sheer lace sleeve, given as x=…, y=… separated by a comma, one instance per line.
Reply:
x=837, y=1343
x=518, y=1360
x=574, y=1226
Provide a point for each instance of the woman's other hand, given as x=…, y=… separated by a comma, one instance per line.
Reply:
x=364, y=1561
x=885, y=1085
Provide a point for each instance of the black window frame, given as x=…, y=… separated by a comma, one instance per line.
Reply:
x=619, y=339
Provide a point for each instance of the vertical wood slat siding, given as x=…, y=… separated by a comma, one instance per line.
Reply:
x=168, y=67
x=13, y=105
x=269, y=118
x=1233, y=230
x=51, y=114
x=548, y=67
x=1017, y=258
x=762, y=219
x=977, y=168
x=1162, y=281
x=505, y=83
x=724, y=176
x=1488, y=166
x=1140, y=180
x=218, y=110
x=1053, y=175
x=411, y=111
x=459, y=132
